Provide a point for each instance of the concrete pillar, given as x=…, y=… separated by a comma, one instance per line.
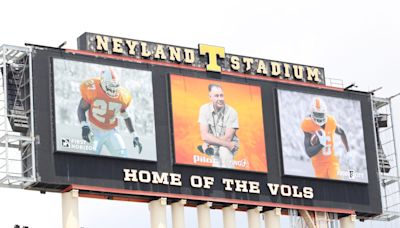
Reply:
x=70, y=209
x=348, y=221
x=321, y=219
x=272, y=218
x=253, y=217
x=158, y=213
x=178, y=215
x=203, y=215
x=229, y=216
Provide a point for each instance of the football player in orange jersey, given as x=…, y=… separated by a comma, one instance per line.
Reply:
x=105, y=101
x=319, y=131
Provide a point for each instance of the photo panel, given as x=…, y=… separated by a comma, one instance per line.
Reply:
x=218, y=124
x=322, y=136
x=104, y=110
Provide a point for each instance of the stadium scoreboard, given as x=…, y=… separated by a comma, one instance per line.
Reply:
x=141, y=119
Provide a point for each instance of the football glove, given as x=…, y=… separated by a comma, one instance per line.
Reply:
x=136, y=143
x=87, y=134
x=321, y=137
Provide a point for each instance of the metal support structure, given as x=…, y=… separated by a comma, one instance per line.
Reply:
x=322, y=220
x=308, y=218
x=312, y=219
x=17, y=137
x=17, y=156
x=388, y=158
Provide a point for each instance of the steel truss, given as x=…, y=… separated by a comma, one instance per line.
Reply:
x=17, y=147
x=388, y=161
x=312, y=219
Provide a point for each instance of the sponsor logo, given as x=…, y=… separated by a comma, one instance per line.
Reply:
x=244, y=163
x=65, y=143
x=350, y=174
x=76, y=144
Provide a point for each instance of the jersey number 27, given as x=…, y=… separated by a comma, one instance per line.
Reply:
x=101, y=107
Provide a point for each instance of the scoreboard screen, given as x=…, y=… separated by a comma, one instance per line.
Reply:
x=143, y=120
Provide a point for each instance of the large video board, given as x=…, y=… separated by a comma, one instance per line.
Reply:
x=94, y=106
x=322, y=136
x=182, y=116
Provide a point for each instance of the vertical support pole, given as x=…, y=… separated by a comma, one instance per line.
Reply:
x=5, y=106
x=70, y=209
x=253, y=217
x=158, y=210
x=348, y=221
x=321, y=219
x=203, y=215
x=396, y=157
x=178, y=215
x=32, y=116
x=273, y=218
x=229, y=216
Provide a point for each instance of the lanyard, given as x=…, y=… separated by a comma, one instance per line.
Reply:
x=218, y=119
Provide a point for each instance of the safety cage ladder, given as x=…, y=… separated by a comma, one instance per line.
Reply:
x=17, y=142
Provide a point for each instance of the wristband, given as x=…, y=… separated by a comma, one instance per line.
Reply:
x=84, y=124
x=125, y=115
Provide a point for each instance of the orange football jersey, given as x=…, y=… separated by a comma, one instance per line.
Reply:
x=326, y=156
x=104, y=109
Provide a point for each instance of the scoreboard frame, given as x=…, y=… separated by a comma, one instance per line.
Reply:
x=105, y=176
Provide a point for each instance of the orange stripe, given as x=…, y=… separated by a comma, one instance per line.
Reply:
x=133, y=193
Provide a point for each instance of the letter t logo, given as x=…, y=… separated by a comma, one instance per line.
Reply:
x=213, y=53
